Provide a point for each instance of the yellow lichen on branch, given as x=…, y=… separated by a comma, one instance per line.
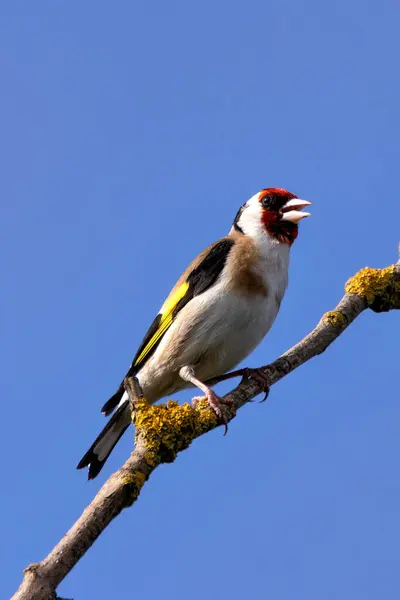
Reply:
x=137, y=479
x=168, y=428
x=335, y=318
x=134, y=483
x=380, y=288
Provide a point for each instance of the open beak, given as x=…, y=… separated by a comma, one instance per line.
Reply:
x=292, y=210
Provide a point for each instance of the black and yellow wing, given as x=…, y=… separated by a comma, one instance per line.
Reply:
x=200, y=276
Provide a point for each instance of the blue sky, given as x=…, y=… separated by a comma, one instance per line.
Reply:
x=130, y=135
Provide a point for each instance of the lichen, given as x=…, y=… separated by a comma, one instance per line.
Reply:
x=136, y=479
x=32, y=568
x=133, y=483
x=166, y=429
x=335, y=318
x=380, y=288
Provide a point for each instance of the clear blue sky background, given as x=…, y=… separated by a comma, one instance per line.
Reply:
x=130, y=134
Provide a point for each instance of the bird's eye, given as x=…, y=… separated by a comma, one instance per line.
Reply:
x=267, y=201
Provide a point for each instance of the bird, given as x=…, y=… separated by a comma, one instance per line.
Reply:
x=219, y=310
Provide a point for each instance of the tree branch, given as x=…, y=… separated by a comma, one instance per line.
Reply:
x=164, y=430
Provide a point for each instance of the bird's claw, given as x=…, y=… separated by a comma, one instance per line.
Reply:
x=216, y=404
x=260, y=377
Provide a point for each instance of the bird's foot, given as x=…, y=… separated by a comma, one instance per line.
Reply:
x=257, y=375
x=216, y=404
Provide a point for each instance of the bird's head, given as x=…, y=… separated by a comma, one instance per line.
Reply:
x=273, y=211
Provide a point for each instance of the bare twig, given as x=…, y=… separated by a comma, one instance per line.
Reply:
x=164, y=430
x=134, y=390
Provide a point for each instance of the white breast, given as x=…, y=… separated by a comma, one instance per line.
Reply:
x=241, y=322
x=218, y=329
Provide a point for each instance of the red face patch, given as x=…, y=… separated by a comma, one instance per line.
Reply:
x=271, y=201
x=278, y=192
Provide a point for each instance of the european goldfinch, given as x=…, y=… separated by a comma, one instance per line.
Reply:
x=218, y=312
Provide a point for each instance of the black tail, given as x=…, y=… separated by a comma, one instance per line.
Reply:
x=103, y=445
x=113, y=402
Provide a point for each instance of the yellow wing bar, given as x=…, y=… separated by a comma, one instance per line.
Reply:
x=173, y=300
x=165, y=321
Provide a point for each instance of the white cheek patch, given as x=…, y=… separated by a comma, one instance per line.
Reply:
x=250, y=219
